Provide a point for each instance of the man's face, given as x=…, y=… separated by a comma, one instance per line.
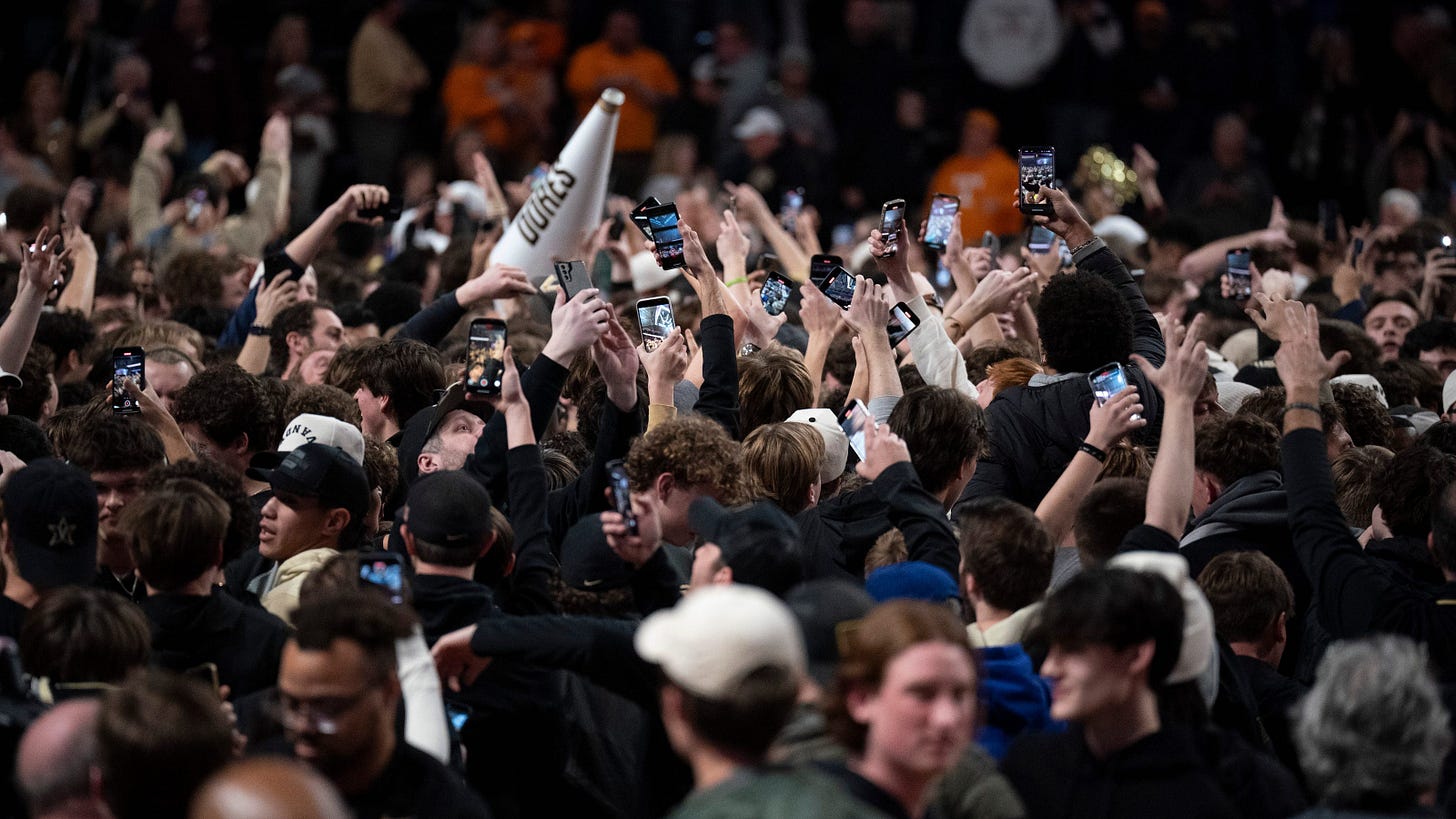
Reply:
x=371, y=409
x=1089, y=681
x=315, y=366
x=1387, y=323
x=114, y=490
x=621, y=31
x=168, y=379
x=921, y=717
x=291, y=524
x=672, y=512
x=328, y=331
x=452, y=442
x=1396, y=272
x=336, y=709
x=1442, y=358
x=1337, y=440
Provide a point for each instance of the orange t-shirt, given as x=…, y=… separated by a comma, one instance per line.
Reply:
x=987, y=188
x=637, y=125
x=468, y=103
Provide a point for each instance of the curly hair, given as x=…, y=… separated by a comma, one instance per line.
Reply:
x=194, y=279
x=773, y=384
x=322, y=399
x=695, y=451
x=1083, y=323
x=226, y=401
x=29, y=400
x=1365, y=418
x=1373, y=729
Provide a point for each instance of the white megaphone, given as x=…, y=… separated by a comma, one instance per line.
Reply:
x=567, y=204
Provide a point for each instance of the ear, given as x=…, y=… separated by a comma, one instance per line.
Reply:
x=1140, y=657
x=73, y=360
x=860, y=702
x=1281, y=628
x=663, y=485
x=969, y=581
x=296, y=342
x=968, y=467
x=386, y=407
x=428, y=462
x=489, y=543
x=336, y=521
x=239, y=445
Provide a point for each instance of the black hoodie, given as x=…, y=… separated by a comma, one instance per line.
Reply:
x=245, y=642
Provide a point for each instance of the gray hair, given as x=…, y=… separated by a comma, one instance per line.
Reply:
x=1373, y=727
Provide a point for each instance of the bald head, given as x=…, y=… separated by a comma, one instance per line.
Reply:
x=268, y=788
x=54, y=761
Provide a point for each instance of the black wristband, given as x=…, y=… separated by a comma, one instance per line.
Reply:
x=1093, y=451
x=259, y=330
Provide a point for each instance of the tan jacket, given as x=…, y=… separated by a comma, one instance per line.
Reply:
x=282, y=598
x=245, y=233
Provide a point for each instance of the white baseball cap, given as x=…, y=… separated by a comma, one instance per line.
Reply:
x=309, y=428
x=1199, y=648
x=716, y=636
x=759, y=121
x=836, y=443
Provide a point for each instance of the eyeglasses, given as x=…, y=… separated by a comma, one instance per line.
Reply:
x=320, y=715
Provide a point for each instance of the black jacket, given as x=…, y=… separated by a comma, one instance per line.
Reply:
x=416, y=784
x=245, y=643
x=1159, y=776
x=1252, y=514
x=1035, y=431
x=1354, y=594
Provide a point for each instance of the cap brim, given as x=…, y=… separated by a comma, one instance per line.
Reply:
x=49, y=569
x=10, y=381
x=706, y=516
x=281, y=481
x=262, y=462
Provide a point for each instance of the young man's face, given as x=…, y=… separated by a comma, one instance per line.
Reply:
x=291, y=524
x=1089, y=682
x=1387, y=323
x=1442, y=358
x=672, y=511
x=114, y=490
x=921, y=718
x=335, y=711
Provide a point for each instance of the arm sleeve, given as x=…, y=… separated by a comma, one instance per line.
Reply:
x=588, y=493
x=434, y=322
x=600, y=649
x=541, y=383
x=919, y=517
x=236, y=331
x=1347, y=587
x=1147, y=338
x=424, y=704
x=144, y=208
x=535, y=564
x=656, y=585
x=251, y=231
x=718, y=397
x=936, y=356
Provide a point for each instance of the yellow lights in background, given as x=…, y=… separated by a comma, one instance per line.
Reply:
x=1101, y=167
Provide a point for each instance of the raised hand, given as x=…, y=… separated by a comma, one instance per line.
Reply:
x=868, y=312
x=1116, y=418
x=500, y=281
x=617, y=362
x=733, y=246
x=40, y=264
x=883, y=449
x=510, y=395
x=667, y=364
x=578, y=323
x=1066, y=221
x=277, y=136
x=361, y=197
x=456, y=664
x=1301, y=364
x=274, y=297
x=633, y=549
x=1185, y=369
x=819, y=315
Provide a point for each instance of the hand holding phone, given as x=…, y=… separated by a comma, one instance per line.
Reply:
x=853, y=420
x=943, y=208
x=667, y=238
x=383, y=570
x=485, y=351
x=621, y=491
x=639, y=216
x=892, y=222
x=775, y=293
x=1108, y=381
x=793, y=205
x=655, y=320
x=571, y=276
x=1239, y=277
x=821, y=265
x=903, y=322
x=839, y=286
x=128, y=364
x=1037, y=169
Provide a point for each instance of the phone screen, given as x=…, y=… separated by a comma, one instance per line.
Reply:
x=384, y=571
x=1107, y=382
x=572, y=277
x=822, y=265
x=775, y=294
x=943, y=279
x=1038, y=169
x=206, y=674
x=485, y=352
x=902, y=323
x=1040, y=240
x=1241, y=283
x=458, y=714
x=621, y=493
x=942, y=220
x=892, y=217
x=839, y=286
x=853, y=421
x=127, y=364
x=656, y=320
x=666, y=237
x=793, y=204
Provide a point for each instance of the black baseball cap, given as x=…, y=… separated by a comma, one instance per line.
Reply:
x=822, y=606
x=51, y=509
x=760, y=543
x=320, y=471
x=450, y=509
x=421, y=425
x=588, y=563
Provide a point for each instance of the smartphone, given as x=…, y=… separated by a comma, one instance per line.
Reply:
x=383, y=570
x=992, y=242
x=1329, y=216
x=892, y=219
x=902, y=323
x=1446, y=247
x=1241, y=284
x=458, y=715
x=206, y=673
x=279, y=264
x=775, y=293
x=639, y=215
x=619, y=224
x=943, y=279
x=821, y=265
x=1038, y=169
x=538, y=175
x=127, y=364
x=196, y=198
x=793, y=205
x=852, y=420
x=572, y=277
x=621, y=490
x=667, y=239
x=769, y=261
x=485, y=356
x=390, y=211
x=941, y=222
x=655, y=320
x=838, y=286
x=1108, y=381
x=1039, y=241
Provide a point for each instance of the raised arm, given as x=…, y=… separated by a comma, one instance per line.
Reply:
x=1109, y=423
x=255, y=228
x=867, y=316
x=936, y=356
x=40, y=269
x=1180, y=379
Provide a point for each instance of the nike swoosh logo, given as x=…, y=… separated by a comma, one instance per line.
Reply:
x=592, y=583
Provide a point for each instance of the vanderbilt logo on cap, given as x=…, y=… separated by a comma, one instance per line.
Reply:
x=62, y=533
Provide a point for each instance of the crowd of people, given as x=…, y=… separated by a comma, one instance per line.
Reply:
x=1089, y=500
